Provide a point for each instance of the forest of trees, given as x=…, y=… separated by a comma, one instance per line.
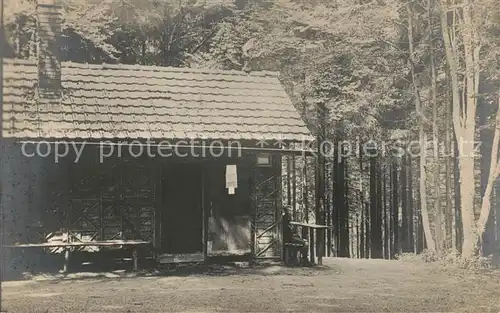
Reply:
x=420, y=70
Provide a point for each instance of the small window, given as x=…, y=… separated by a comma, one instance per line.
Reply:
x=264, y=160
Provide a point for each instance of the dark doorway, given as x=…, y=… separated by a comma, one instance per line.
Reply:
x=182, y=218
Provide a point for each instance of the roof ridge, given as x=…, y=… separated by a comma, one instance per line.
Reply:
x=138, y=67
x=155, y=68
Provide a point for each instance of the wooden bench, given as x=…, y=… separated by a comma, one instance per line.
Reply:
x=312, y=229
x=67, y=245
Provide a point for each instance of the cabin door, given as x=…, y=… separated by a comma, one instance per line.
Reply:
x=182, y=218
x=229, y=215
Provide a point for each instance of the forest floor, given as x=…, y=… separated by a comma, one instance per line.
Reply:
x=340, y=285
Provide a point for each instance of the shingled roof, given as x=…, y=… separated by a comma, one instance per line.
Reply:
x=149, y=102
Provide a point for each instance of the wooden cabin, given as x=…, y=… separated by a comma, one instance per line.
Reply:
x=188, y=160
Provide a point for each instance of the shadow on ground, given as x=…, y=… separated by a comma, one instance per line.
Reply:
x=187, y=270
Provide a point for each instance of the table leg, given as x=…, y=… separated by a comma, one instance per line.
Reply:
x=311, y=245
x=320, y=244
x=66, y=260
x=134, y=258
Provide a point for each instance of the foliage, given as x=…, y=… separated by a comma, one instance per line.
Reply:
x=351, y=56
x=451, y=260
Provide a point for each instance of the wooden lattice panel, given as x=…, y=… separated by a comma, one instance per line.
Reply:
x=111, y=201
x=266, y=226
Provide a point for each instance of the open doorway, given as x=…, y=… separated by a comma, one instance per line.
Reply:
x=182, y=216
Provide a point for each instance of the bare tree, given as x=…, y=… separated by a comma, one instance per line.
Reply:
x=463, y=43
x=422, y=137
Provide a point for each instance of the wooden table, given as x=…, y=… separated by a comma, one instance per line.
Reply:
x=312, y=228
x=68, y=245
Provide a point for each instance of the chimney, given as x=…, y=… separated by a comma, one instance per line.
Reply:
x=49, y=64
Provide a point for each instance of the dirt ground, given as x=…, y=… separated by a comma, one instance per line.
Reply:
x=340, y=285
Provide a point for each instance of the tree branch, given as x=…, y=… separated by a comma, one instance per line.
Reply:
x=492, y=176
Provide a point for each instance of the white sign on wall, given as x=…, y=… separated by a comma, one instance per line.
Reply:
x=231, y=178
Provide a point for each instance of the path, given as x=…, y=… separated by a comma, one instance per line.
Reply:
x=343, y=285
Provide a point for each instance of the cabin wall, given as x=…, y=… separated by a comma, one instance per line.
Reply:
x=33, y=193
x=121, y=198
x=93, y=200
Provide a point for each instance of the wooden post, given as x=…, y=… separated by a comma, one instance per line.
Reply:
x=328, y=209
x=135, y=258
x=288, y=185
x=204, y=212
x=294, y=188
x=158, y=213
x=311, y=245
x=320, y=180
x=278, y=162
x=253, y=226
x=305, y=233
x=320, y=238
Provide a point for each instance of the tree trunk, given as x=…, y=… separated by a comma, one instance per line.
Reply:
x=358, y=246
x=423, y=198
x=411, y=237
x=376, y=231
x=329, y=204
x=404, y=204
x=395, y=210
x=423, y=192
x=440, y=238
x=452, y=59
x=457, y=198
x=362, y=241
x=464, y=122
x=466, y=142
x=345, y=236
x=385, y=216
x=380, y=208
x=336, y=203
x=447, y=143
x=494, y=172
